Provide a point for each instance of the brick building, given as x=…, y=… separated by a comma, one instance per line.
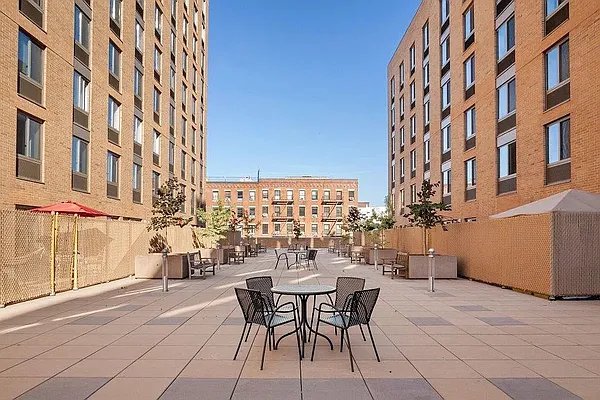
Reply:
x=496, y=100
x=318, y=204
x=100, y=102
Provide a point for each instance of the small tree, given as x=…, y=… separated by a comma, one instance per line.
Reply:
x=354, y=220
x=166, y=212
x=248, y=225
x=424, y=213
x=296, y=230
x=216, y=225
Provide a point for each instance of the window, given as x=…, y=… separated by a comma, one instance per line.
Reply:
x=338, y=195
x=445, y=49
x=228, y=195
x=302, y=194
x=402, y=74
x=471, y=173
x=426, y=36
x=265, y=211
x=392, y=88
x=413, y=160
x=29, y=137
x=290, y=194
x=314, y=194
x=445, y=10
x=413, y=126
x=326, y=195
x=157, y=20
x=506, y=37
x=215, y=195
x=240, y=212
x=402, y=169
x=265, y=194
x=192, y=201
x=470, y=123
x=425, y=75
x=413, y=58
x=173, y=43
x=426, y=152
x=558, y=141
x=79, y=156
x=506, y=99
x=413, y=93
x=82, y=28
x=557, y=65
x=174, y=9
x=137, y=178
x=446, y=182
x=290, y=211
x=413, y=193
x=401, y=136
x=240, y=195
x=114, y=59
x=265, y=229
x=185, y=29
x=157, y=60
x=112, y=168
x=470, y=72
x=138, y=130
x=426, y=114
x=115, y=11
x=507, y=160
x=277, y=194
x=171, y=154
x=446, y=139
x=30, y=59
x=114, y=114
x=401, y=106
x=252, y=195
x=393, y=171
x=138, y=83
x=393, y=143
x=314, y=211
x=183, y=130
x=314, y=229
x=156, y=101
x=139, y=37
x=553, y=5
x=251, y=211
x=350, y=195
x=183, y=166
x=155, y=183
x=469, y=22
x=446, y=95
x=402, y=199
x=81, y=92
x=156, y=143
x=184, y=62
x=277, y=228
x=183, y=95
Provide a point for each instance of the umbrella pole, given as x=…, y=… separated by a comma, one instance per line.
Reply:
x=76, y=253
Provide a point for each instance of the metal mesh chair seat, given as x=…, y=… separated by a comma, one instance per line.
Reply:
x=275, y=319
x=359, y=311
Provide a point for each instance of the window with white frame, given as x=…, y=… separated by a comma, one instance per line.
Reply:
x=446, y=99
x=558, y=146
x=506, y=37
x=470, y=123
x=413, y=193
x=507, y=99
x=401, y=74
x=158, y=20
x=402, y=106
x=471, y=173
x=156, y=101
x=557, y=65
x=445, y=10
x=426, y=151
x=79, y=156
x=114, y=114
x=82, y=28
x=426, y=35
x=139, y=37
x=115, y=10
x=413, y=160
x=392, y=88
x=425, y=75
x=426, y=113
x=138, y=83
x=445, y=51
x=302, y=194
x=136, y=181
x=446, y=139
x=156, y=143
x=447, y=182
x=157, y=60
x=138, y=130
x=413, y=93
x=393, y=171
x=30, y=58
x=112, y=168
x=507, y=160
x=470, y=71
x=469, y=22
x=402, y=168
x=413, y=57
x=114, y=59
x=413, y=126
x=402, y=136
x=81, y=92
x=553, y=5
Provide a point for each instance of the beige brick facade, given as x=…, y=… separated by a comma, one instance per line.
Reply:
x=284, y=200
x=535, y=34
x=56, y=109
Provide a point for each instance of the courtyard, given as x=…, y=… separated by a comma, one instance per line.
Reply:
x=468, y=340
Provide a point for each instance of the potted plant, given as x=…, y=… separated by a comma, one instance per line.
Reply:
x=166, y=212
x=425, y=214
x=374, y=227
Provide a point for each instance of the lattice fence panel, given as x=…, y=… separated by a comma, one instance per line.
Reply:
x=64, y=253
x=93, y=248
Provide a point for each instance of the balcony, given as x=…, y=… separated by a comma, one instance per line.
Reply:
x=282, y=200
x=332, y=200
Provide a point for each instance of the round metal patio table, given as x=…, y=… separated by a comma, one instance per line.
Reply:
x=303, y=292
x=297, y=254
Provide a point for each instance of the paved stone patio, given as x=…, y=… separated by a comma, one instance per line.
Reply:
x=468, y=340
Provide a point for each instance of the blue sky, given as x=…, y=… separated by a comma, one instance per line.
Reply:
x=299, y=88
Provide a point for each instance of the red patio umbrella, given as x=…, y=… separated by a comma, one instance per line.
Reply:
x=71, y=207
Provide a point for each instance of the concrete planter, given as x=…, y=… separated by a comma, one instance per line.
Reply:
x=445, y=267
x=381, y=254
x=149, y=266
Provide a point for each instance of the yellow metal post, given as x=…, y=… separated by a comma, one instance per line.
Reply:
x=75, y=252
x=53, y=254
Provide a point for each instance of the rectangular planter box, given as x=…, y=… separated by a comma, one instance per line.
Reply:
x=445, y=267
x=150, y=266
x=381, y=253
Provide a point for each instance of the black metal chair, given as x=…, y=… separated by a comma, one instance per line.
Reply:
x=345, y=286
x=280, y=256
x=311, y=255
x=256, y=310
x=360, y=309
x=237, y=255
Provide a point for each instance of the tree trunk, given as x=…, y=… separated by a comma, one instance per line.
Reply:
x=424, y=240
